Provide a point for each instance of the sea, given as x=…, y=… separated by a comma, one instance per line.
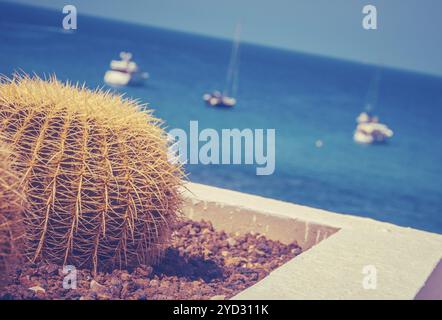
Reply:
x=311, y=101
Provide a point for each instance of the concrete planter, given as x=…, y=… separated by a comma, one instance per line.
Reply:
x=345, y=257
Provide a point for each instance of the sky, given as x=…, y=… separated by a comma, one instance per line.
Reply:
x=408, y=34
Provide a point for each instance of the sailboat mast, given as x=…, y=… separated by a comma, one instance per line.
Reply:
x=232, y=71
x=373, y=91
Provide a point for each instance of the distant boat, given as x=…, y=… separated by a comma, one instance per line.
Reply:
x=369, y=130
x=125, y=72
x=226, y=98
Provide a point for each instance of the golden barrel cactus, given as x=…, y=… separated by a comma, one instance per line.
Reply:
x=11, y=201
x=101, y=191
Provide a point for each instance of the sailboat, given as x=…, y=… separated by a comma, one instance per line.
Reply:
x=369, y=130
x=226, y=98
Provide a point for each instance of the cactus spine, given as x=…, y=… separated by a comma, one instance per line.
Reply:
x=11, y=201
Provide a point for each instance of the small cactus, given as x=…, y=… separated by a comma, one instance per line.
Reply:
x=101, y=190
x=11, y=201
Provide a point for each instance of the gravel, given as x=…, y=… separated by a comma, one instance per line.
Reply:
x=201, y=264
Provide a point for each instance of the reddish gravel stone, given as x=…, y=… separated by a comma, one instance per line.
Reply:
x=201, y=264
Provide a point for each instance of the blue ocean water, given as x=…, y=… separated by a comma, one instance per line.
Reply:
x=305, y=98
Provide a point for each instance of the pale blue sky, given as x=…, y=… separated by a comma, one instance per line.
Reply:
x=408, y=35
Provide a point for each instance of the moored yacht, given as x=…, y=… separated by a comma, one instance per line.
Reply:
x=369, y=130
x=125, y=72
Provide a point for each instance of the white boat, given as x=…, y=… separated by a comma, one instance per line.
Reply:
x=226, y=99
x=216, y=99
x=124, y=72
x=370, y=131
